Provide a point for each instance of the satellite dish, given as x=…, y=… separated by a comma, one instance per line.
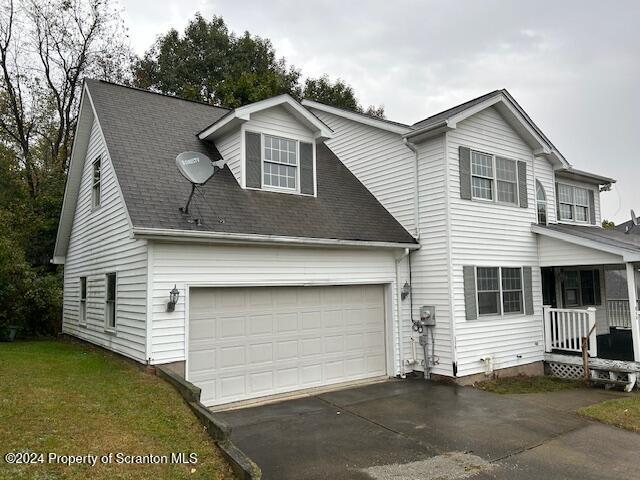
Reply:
x=198, y=169
x=195, y=167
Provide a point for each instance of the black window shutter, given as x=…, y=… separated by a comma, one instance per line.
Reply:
x=253, y=159
x=470, y=306
x=465, y=172
x=522, y=184
x=306, y=168
x=592, y=207
x=557, y=204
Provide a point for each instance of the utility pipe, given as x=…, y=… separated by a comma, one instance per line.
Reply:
x=399, y=312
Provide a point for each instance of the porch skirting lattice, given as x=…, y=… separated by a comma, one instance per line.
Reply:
x=565, y=370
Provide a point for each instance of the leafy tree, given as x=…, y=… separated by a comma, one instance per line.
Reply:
x=210, y=64
x=338, y=93
x=608, y=224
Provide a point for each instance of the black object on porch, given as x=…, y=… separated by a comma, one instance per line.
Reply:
x=616, y=345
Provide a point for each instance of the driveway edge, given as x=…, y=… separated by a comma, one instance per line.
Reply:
x=218, y=430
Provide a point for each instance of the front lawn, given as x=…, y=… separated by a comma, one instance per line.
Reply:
x=70, y=399
x=621, y=412
x=526, y=384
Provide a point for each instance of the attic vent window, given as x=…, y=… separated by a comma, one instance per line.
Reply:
x=96, y=183
x=280, y=162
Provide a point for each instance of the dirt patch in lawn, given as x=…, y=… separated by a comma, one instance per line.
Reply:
x=527, y=384
x=621, y=412
x=70, y=399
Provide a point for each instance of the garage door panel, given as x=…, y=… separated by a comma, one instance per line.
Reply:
x=251, y=342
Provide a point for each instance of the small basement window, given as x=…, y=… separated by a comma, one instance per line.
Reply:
x=96, y=183
x=110, y=301
x=280, y=162
x=82, y=315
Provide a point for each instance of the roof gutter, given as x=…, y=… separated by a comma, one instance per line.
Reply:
x=248, y=238
x=434, y=129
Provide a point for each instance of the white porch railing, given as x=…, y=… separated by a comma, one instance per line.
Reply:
x=564, y=329
x=618, y=313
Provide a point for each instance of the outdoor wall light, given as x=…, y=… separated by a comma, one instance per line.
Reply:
x=173, y=299
x=406, y=290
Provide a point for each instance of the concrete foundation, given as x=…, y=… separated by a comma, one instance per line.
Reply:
x=176, y=367
x=534, y=369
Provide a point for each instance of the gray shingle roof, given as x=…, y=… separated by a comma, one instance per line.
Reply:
x=613, y=238
x=145, y=131
x=445, y=114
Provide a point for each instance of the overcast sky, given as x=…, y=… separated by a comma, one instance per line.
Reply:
x=574, y=66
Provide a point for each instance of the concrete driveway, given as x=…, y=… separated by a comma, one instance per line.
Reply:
x=412, y=429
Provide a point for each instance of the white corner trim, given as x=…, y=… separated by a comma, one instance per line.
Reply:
x=246, y=238
x=243, y=114
x=628, y=255
x=360, y=118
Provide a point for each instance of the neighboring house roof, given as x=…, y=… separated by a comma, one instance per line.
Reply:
x=628, y=224
x=612, y=241
x=145, y=131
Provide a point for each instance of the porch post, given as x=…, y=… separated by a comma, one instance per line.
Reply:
x=633, y=310
x=546, y=322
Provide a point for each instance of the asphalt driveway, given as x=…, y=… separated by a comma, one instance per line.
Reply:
x=412, y=429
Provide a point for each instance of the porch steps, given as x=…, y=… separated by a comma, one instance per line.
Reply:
x=606, y=372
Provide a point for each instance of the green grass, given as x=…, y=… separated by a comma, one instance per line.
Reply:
x=67, y=398
x=526, y=384
x=621, y=412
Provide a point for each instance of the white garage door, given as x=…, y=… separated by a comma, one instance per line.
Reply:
x=252, y=342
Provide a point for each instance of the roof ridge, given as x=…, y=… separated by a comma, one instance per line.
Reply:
x=488, y=94
x=175, y=97
x=368, y=115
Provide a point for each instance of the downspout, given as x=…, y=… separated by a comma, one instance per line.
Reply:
x=416, y=189
x=452, y=317
x=404, y=254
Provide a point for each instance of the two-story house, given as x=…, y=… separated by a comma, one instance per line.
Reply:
x=310, y=258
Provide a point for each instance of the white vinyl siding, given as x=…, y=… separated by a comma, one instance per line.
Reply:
x=229, y=147
x=558, y=253
x=382, y=162
x=494, y=234
x=101, y=243
x=235, y=266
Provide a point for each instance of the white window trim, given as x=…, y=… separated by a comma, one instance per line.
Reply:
x=107, y=327
x=263, y=160
x=98, y=183
x=82, y=312
x=544, y=202
x=573, y=205
x=501, y=314
x=494, y=180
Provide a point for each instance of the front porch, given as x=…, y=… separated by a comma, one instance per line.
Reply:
x=590, y=285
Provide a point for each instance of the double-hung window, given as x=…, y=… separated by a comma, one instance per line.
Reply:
x=280, y=162
x=494, y=178
x=499, y=290
x=110, y=302
x=96, y=183
x=573, y=203
x=82, y=315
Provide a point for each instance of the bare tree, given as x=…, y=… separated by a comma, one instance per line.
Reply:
x=46, y=48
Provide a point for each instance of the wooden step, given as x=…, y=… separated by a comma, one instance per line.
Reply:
x=608, y=381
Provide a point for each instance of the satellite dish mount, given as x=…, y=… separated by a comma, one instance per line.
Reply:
x=198, y=169
x=634, y=222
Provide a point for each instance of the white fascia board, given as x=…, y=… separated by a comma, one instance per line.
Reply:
x=245, y=238
x=628, y=255
x=356, y=117
x=74, y=177
x=243, y=114
x=583, y=176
